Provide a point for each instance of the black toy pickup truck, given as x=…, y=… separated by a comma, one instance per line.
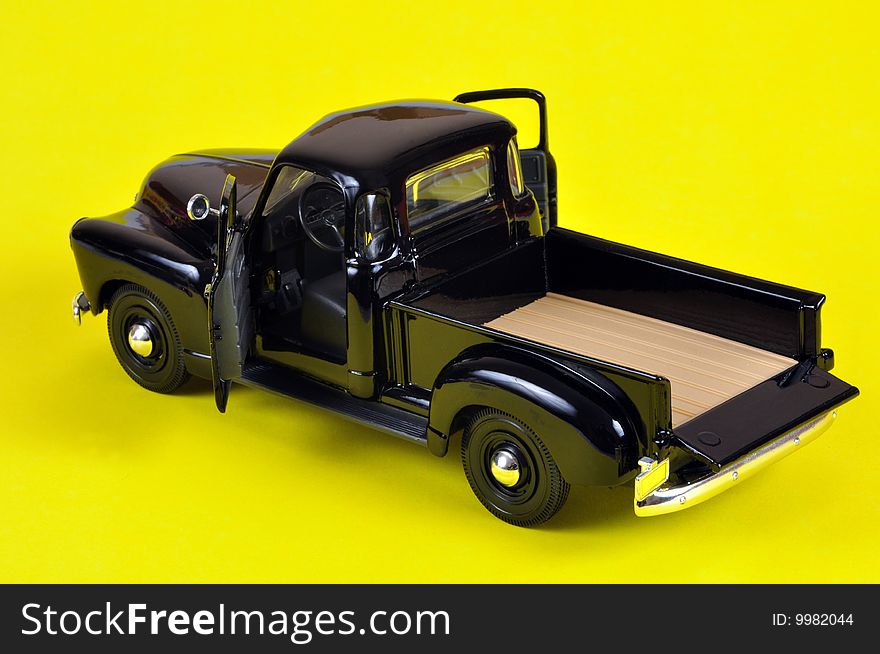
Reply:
x=400, y=264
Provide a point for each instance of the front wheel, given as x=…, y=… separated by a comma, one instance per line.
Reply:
x=145, y=340
x=510, y=469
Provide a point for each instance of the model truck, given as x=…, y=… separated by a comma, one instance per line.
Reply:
x=400, y=264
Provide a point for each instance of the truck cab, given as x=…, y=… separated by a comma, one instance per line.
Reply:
x=352, y=214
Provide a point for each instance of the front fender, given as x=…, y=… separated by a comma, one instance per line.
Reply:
x=589, y=424
x=131, y=247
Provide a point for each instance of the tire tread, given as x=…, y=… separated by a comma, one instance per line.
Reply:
x=180, y=375
x=559, y=487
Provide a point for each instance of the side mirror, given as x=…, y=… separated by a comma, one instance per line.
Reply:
x=199, y=208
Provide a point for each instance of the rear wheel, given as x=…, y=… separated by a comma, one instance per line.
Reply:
x=510, y=469
x=144, y=339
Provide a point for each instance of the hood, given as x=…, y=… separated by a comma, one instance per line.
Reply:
x=168, y=187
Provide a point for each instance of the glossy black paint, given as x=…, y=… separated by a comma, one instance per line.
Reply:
x=497, y=286
x=539, y=166
x=590, y=428
x=439, y=347
x=155, y=245
x=503, y=94
x=378, y=146
x=130, y=247
x=276, y=378
x=228, y=297
x=771, y=316
x=762, y=413
x=417, y=360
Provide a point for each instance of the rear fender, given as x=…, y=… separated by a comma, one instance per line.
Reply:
x=589, y=425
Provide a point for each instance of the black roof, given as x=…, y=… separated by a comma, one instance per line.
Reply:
x=375, y=145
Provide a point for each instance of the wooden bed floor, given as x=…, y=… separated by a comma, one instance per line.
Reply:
x=703, y=369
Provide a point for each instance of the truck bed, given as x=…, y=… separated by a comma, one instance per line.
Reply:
x=723, y=340
x=704, y=369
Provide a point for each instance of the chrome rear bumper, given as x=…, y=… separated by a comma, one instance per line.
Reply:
x=667, y=498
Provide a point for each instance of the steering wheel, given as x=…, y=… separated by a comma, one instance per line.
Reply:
x=322, y=215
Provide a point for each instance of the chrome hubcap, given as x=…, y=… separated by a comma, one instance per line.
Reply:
x=140, y=340
x=505, y=467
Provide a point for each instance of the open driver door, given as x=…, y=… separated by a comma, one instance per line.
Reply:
x=228, y=295
x=538, y=166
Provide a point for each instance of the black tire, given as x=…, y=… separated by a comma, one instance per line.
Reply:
x=164, y=370
x=540, y=490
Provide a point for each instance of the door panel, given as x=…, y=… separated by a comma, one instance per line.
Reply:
x=538, y=170
x=229, y=310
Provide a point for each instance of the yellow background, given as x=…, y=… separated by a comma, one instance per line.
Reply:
x=742, y=135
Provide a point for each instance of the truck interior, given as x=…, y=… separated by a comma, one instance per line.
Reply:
x=301, y=299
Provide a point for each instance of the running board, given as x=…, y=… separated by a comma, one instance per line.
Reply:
x=284, y=381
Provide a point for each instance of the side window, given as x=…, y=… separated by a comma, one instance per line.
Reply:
x=374, y=238
x=443, y=189
x=514, y=169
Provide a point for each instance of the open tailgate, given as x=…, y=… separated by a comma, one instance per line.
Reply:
x=749, y=420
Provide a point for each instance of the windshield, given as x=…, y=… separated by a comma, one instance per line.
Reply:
x=289, y=181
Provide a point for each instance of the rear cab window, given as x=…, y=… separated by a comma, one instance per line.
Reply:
x=441, y=191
